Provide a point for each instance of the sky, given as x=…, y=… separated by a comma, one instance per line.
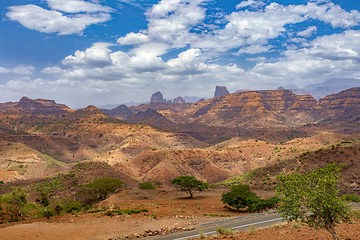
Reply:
x=101, y=52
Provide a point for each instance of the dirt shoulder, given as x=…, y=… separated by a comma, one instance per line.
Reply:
x=166, y=209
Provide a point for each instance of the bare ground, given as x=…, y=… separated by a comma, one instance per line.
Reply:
x=171, y=208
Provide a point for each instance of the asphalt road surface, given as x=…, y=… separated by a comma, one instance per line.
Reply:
x=239, y=224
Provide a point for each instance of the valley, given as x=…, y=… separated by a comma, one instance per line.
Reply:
x=245, y=137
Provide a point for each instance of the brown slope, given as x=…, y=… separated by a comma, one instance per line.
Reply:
x=35, y=107
x=163, y=166
x=340, y=106
x=281, y=107
x=120, y=112
x=345, y=152
x=157, y=106
x=87, y=134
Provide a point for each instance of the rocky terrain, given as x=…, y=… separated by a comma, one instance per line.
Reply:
x=245, y=137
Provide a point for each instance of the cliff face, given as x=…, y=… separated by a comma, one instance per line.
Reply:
x=221, y=91
x=35, y=107
x=279, y=106
x=345, y=104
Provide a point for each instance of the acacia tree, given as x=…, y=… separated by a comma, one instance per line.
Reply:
x=102, y=187
x=189, y=184
x=240, y=196
x=313, y=198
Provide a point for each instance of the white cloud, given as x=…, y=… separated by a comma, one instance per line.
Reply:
x=206, y=51
x=251, y=3
x=254, y=49
x=133, y=39
x=21, y=69
x=170, y=21
x=53, y=21
x=188, y=63
x=52, y=70
x=308, y=32
x=327, y=57
x=333, y=14
x=95, y=56
x=76, y=6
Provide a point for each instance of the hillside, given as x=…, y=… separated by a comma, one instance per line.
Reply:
x=84, y=134
x=256, y=114
x=345, y=152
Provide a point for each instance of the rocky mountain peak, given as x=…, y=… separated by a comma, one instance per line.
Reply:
x=157, y=97
x=179, y=100
x=220, y=91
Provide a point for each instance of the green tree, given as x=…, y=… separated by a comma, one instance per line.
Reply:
x=102, y=187
x=313, y=198
x=240, y=196
x=190, y=184
x=15, y=203
x=45, y=202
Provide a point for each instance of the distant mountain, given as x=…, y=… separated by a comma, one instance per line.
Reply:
x=258, y=108
x=221, y=91
x=323, y=89
x=35, y=107
x=191, y=99
x=120, y=112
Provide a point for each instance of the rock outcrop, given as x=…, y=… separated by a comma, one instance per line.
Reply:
x=157, y=97
x=120, y=112
x=221, y=91
x=179, y=100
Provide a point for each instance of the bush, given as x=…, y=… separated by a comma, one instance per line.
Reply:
x=86, y=196
x=147, y=185
x=240, y=196
x=263, y=204
x=225, y=231
x=73, y=206
x=351, y=198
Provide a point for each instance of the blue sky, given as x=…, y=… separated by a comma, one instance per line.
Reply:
x=103, y=52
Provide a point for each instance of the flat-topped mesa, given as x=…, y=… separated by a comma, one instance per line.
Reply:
x=221, y=91
x=41, y=106
x=276, y=107
x=345, y=104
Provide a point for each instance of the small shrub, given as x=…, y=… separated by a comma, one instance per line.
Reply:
x=147, y=185
x=202, y=234
x=296, y=225
x=351, y=198
x=73, y=206
x=252, y=230
x=225, y=231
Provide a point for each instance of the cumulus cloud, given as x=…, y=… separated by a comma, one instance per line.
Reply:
x=133, y=38
x=184, y=51
x=308, y=32
x=21, y=69
x=95, y=56
x=76, y=6
x=54, y=21
x=251, y=3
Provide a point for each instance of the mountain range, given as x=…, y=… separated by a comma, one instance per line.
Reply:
x=161, y=140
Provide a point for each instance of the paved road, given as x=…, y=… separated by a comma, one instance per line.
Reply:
x=239, y=224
